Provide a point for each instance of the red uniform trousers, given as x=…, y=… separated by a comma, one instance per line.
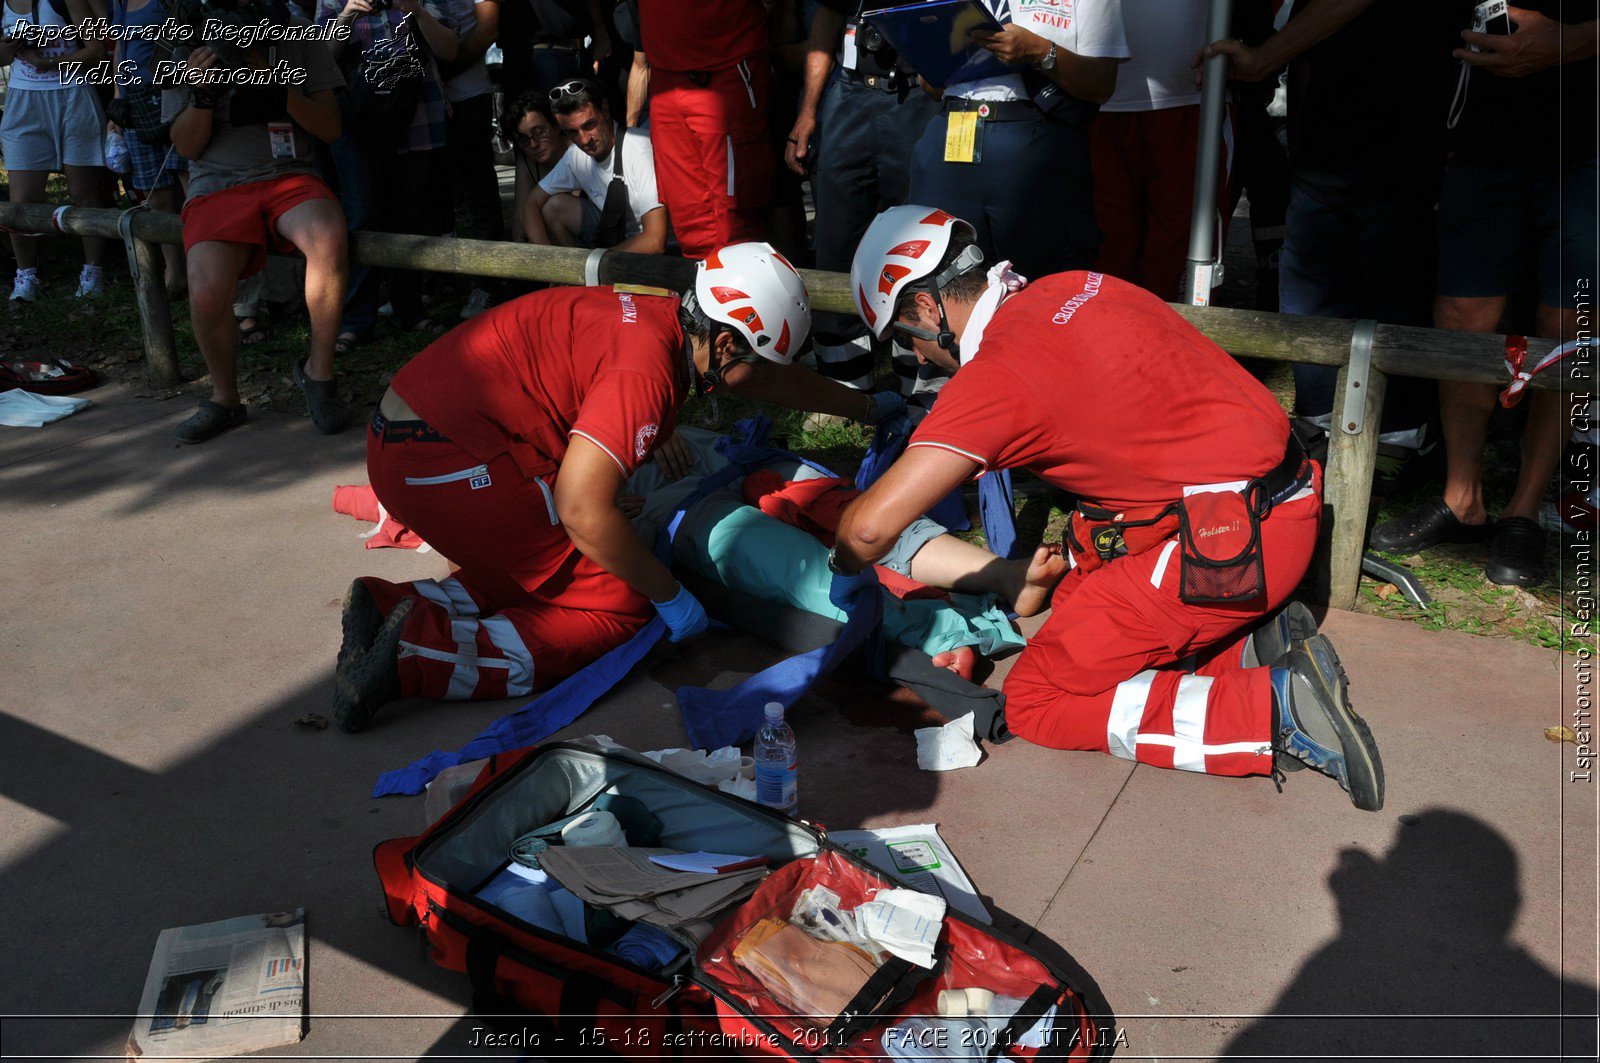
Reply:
x=1144, y=192
x=525, y=610
x=714, y=160
x=1071, y=688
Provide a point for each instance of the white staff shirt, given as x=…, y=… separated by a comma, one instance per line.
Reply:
x=1090, y=28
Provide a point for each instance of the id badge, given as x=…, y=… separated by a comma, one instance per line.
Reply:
x=849, y=58
x=961, y=137
x=281, y=137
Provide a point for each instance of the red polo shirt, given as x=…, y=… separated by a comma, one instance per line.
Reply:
x=526, y=376
x=1100, y=388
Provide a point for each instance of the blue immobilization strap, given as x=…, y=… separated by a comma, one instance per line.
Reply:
x=535, y=721
x=996, y=510
x=717, y=718
x=889, y=441
x=889, y=438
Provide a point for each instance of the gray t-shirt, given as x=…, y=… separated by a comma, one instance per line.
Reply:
x=236, y=155
x=474, y=80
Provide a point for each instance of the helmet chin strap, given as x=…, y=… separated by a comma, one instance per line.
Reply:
x=944, y=337
x=706, y=383
x=970, y=258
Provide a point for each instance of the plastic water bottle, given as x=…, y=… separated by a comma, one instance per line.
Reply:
x=776, y=768
x=116, y=153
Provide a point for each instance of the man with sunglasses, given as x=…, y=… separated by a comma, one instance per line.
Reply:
x=505, y=445
x=612, y=170
x=1184, y=467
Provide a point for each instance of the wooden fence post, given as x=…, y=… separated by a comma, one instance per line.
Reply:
x=155, y=314
x=1352, y=461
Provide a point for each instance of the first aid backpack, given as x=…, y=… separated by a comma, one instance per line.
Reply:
x=565, y=996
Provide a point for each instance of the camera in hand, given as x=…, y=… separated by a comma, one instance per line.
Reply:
x=878, y=57
x=1491, y=18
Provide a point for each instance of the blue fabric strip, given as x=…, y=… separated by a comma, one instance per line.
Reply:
x=535, y=721
x=996, y=509
x=889, y=440
x=717, y=718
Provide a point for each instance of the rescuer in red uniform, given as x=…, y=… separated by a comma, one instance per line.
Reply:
x=504, y=445
x=1197, y=518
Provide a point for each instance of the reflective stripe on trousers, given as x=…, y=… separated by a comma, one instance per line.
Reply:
x=465, y=627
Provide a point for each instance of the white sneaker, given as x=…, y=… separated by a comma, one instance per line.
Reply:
x=477, y=303
x=25, y=288
x=91, y=282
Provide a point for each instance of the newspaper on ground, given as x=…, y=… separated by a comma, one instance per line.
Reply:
x=918, y=857
x=224, y=989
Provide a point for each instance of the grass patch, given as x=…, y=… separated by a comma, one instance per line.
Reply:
x=1463, y=597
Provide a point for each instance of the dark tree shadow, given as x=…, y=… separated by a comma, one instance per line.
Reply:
x=1422, y=965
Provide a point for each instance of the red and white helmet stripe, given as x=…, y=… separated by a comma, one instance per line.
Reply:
x=902, y=245
x=754, y=289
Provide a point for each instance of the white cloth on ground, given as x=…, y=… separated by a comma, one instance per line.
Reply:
x=948, y=747
x=24, y=409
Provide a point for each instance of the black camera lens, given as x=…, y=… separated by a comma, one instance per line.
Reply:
x=872, y=40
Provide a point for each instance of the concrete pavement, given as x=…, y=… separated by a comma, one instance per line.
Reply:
x=171, y=612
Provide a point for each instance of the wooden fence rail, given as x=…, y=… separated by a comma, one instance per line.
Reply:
x=1366, y=353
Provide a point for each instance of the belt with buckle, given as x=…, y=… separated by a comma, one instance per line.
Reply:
x=1291, y=475
x=417, y=431
x=995, y=110
x=881, y=82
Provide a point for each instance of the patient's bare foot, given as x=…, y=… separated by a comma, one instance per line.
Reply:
x=960, y=660
x=1039, y=580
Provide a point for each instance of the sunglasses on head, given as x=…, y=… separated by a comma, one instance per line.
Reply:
x=576, y=87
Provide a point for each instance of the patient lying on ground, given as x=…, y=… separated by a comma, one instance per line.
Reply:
x=768, y=534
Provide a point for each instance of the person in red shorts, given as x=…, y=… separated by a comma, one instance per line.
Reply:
x=1196, y=520
x=505, y=445
x=252, y=192
x=709, y=76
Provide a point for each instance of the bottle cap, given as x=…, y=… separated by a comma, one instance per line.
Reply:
x=774, y=710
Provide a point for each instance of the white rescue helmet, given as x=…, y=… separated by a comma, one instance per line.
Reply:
x=902, y=246
x=754, y=289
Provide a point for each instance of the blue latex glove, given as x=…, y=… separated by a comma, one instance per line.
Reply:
x=845, y=589
x=684, y=616
x=887, y=403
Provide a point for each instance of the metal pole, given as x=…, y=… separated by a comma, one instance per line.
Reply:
x=1202, y=220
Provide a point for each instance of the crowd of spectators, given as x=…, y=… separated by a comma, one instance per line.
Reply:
x=1422, y=175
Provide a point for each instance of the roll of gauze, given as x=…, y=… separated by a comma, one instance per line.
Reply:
x=979, y=1001
x=961, y=1003
x=593, y=828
